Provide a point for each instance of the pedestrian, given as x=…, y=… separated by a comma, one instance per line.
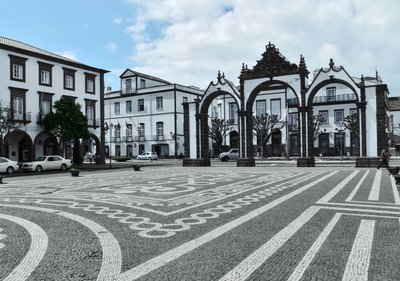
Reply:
x=385, y=156
x=89, y=156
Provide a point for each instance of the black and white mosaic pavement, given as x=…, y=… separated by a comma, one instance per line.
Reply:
x=210, y=223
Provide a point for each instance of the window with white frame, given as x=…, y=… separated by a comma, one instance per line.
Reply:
x=45, y=74
x=128, y=105
x=117, y=131
x=261, y=107
x=90, y=114
x=17, y=68
x=44, y=77
x=330, y=94
x=233, y=113
x=339, y=116
x=128, y=85
x=69, y=81
x=129, y=130
x=45, y=107
x=159, y=102
x=45, y=102
x=18, y=108
x=276, y=107
x=141, y=130
x=90, y=83
x=69, y=78
x=160, y=130
x=325, y=115
x=117, y=110
x=18, y=71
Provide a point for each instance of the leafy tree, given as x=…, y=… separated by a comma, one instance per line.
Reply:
x=263, y=126
x=67, y=122
x=6, y=123
x=218, y=131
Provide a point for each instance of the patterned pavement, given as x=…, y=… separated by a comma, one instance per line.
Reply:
x=209, y=223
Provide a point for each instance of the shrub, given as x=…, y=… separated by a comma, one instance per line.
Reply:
x=121, y=158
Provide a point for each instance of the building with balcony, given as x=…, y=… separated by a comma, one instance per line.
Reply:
x=146, y=115
x=31, y=80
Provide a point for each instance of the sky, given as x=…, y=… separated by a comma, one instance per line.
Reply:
x=189, y=41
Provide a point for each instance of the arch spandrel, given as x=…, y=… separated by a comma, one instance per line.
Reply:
x=331, y=76
x=266, y=86
x=312, y=92
x=216, y=89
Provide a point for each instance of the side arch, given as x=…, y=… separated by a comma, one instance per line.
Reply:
x=309, y=107
x=19, y=146
x=202, y=118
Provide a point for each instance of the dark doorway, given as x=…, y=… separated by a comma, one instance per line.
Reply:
x=234, y=139
x=276, y=141
x=324, y=144
x=294, y=145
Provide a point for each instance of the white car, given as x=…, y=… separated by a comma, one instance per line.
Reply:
x=50, y=162
x=147, y=156
x=8, y=166
x=232, y=154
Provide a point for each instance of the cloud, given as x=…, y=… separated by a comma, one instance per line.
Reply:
x=69, y=54
x=117, y=21
x=111, y=47
x=189, y=41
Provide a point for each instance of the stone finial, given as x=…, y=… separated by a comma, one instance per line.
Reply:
x=331, y=63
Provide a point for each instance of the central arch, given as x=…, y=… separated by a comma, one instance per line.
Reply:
x=264, y=86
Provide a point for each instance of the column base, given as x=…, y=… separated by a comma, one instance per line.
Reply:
x=198, y=162
x=306, y=162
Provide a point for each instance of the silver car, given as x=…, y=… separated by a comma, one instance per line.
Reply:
x=8, y=166
x=50, y=162
x=147, y=156
x=232, y=154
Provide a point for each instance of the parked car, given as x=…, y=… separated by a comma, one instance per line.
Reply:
x=8, y=166
x=232, y=154
x=147, y=156
x=50, y=162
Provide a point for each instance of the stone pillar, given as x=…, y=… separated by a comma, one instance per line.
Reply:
x=186, y=130
x=249, y=160
x=381, y=118
x=363, y=118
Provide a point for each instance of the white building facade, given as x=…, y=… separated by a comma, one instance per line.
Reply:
x=31, y=80
x=146, y=115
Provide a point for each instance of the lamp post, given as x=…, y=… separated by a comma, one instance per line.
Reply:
x=73, y=147
x=341, y=130
x=109, y=128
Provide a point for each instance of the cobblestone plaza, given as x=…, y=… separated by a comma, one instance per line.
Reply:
x=208, y=223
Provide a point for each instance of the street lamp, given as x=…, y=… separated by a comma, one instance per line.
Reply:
x=341, y=130
x=106, y=128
